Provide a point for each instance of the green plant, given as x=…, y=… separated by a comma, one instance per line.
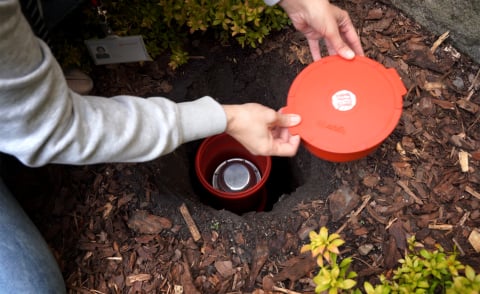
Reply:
x=421, y=271
x=166, y=24
x=215, y=225
x=332, y=276
x=470, y=283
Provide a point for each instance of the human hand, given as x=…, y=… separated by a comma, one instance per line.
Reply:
x=318, y=19
x=262, y=130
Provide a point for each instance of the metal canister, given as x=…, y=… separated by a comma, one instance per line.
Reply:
x=235, y=175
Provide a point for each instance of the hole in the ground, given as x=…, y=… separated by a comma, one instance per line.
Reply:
x=284, y=178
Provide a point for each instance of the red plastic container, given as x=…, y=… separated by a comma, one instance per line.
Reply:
x=348, y=107
x=212, y=153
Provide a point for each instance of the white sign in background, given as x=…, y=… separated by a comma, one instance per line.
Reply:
x=115, y=49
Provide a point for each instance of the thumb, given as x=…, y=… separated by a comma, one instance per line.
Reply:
x=287, y=120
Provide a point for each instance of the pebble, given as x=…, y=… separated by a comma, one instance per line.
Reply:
x=365, y=249
x=306, y=228
x=342, y=202
x=425, y=106
x=458, y=83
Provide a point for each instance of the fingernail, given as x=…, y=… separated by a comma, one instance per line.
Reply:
x=349, y=54
x=294, y=118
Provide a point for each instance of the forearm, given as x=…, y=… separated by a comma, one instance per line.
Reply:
x=42, y=121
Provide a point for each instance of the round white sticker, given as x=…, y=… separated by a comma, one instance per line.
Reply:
x=344, y=100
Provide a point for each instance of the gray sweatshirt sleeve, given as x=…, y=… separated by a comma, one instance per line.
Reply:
x=42, y=121
x=271, y=2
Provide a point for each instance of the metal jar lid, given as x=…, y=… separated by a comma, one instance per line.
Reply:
x=235, y=175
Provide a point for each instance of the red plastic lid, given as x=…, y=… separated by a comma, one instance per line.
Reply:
x=347, y=106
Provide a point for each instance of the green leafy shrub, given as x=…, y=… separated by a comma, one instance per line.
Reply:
x=421, y=271
x=332, y=276
x=166, y=24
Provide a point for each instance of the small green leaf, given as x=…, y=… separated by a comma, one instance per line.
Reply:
x=368, y=288
x=470, y=273
x=347, y=284
x=323, y=234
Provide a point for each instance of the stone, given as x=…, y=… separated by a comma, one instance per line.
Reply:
x=460, y=17
x=342, y=202
x=365, y=249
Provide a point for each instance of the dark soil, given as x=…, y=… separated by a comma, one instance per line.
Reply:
x=117, y=228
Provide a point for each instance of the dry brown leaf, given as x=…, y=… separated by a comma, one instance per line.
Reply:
x=400, y=149
x=374, y=14
x=224, y=268
x=302, y=53
x=371, y=180
x=400, y=235
x=444, y=104
x=186, y=278
x=361, y=231
x=462, y=141
x=125, y=199
x=107, y=209
x=403, y=169
x=391, y=253
x=383, y=45
x=429, y=86
x=166, y=87
x=341, y=202
x=468, y=106
x=380, y=25
x=299, y=266
x=260, y=257
x=145, y=223
x=476, y=155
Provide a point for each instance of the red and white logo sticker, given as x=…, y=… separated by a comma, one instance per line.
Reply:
x=344, y=100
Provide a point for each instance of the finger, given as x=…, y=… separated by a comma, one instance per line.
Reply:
x=350, y=35
x=280, y=134
x=287, y=120
x=345, y=29
x=277, y=132
x=285, y=135
x=353, y=40
x=314, y=49
x=289, y=148
x=336, y=45
x=330, y=49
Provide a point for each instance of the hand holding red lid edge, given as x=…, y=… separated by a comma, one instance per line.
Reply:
x=262, y=130
x=319, y=19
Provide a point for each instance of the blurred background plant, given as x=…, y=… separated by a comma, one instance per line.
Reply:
x=166, y=25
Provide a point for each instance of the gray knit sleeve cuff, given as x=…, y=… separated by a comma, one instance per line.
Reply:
x=271, y=2
x=201, y=118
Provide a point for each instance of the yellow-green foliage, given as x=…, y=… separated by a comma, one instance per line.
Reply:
x=165, y=24
x=421, y=271
x=331, y=277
